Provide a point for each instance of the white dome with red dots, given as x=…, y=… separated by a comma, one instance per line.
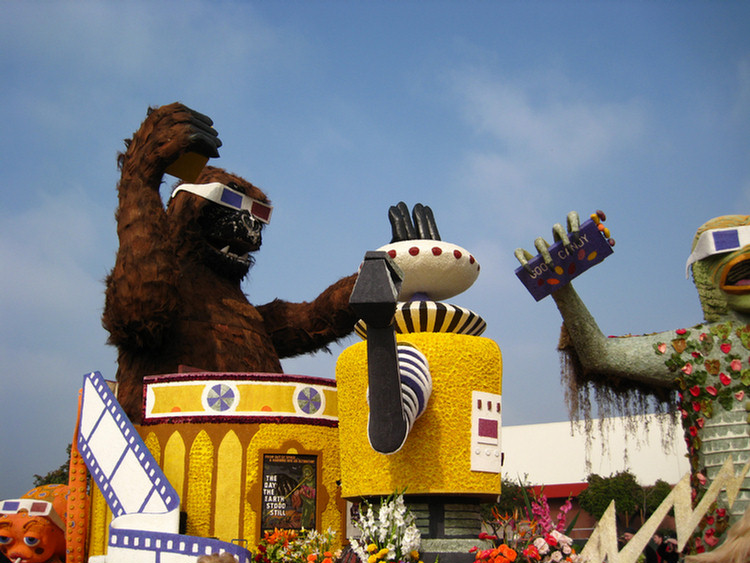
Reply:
x=436, y=269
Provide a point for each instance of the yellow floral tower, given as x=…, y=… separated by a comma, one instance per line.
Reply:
x=450, y=457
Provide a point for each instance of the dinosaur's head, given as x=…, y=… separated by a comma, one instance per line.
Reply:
x=223, y=216
x=720, y=260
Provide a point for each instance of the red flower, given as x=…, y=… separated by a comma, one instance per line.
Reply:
x=696, y=354
x=711, y=390
x=551, y=540
x=693, y=431
x=735, y=365
x=681, y=331
x=724, y=378
x=726, y=347
x=721, y=512
x=695, y=390
x=710, y=538
x=687, y=369
x=532, y=553
x=696, y=406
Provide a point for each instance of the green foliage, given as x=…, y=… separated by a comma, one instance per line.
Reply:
x=57, y=476
x=512, y=498
x=654, y=495
x=621, y=487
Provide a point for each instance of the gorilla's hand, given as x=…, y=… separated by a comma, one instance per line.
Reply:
x=168, y=133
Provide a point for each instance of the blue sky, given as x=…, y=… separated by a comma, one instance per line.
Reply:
x=502, y=116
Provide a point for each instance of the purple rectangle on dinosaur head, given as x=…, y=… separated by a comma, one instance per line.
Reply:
x=587, y=250
x=726, y=240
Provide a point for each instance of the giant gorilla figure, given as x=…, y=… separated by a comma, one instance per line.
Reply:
x=174, y=298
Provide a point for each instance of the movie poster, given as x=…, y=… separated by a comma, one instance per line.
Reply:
x=289, y=492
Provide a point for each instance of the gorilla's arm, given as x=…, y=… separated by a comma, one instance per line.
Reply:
x=299, y=328
x=141, y=293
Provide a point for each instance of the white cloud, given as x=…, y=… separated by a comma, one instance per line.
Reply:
x=537, y=140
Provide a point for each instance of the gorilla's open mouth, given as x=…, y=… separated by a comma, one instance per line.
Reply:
x=735, y=277
x=231, y=237
x=235, y=251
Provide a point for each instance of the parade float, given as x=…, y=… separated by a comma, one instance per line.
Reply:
x=202, y=450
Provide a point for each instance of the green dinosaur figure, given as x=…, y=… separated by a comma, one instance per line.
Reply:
x=708, y=365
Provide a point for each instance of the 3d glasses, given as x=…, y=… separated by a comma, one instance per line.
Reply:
x=718, y=241
x=226, y=196
x=33, y=507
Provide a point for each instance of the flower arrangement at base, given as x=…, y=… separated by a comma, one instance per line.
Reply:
x=536, y=538
x=389, y=533
x=500, y=554
x=290, y=546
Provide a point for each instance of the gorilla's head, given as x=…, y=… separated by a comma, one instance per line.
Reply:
x=219, y=220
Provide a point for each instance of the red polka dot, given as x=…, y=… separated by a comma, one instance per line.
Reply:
x=392, y=253
x=457, y=254
x=437, y=251
x=471, y=259
x=414, y=251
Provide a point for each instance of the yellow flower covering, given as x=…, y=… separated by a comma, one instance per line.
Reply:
x=436, y=456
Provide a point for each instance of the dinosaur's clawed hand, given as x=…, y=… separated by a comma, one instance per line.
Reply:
x=559, y=234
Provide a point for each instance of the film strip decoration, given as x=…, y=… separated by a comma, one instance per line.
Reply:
x=144, y=504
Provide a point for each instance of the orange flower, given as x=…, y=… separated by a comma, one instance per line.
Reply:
x=508, y=553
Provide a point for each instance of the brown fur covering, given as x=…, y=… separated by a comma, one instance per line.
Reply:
x=167, y=302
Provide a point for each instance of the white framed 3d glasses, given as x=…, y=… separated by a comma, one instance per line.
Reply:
x=33, y=507
x=718, y=241
x=226, y=196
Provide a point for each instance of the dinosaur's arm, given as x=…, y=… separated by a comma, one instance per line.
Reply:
x=632, y=358
x=141, y=294
x=299, y=328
